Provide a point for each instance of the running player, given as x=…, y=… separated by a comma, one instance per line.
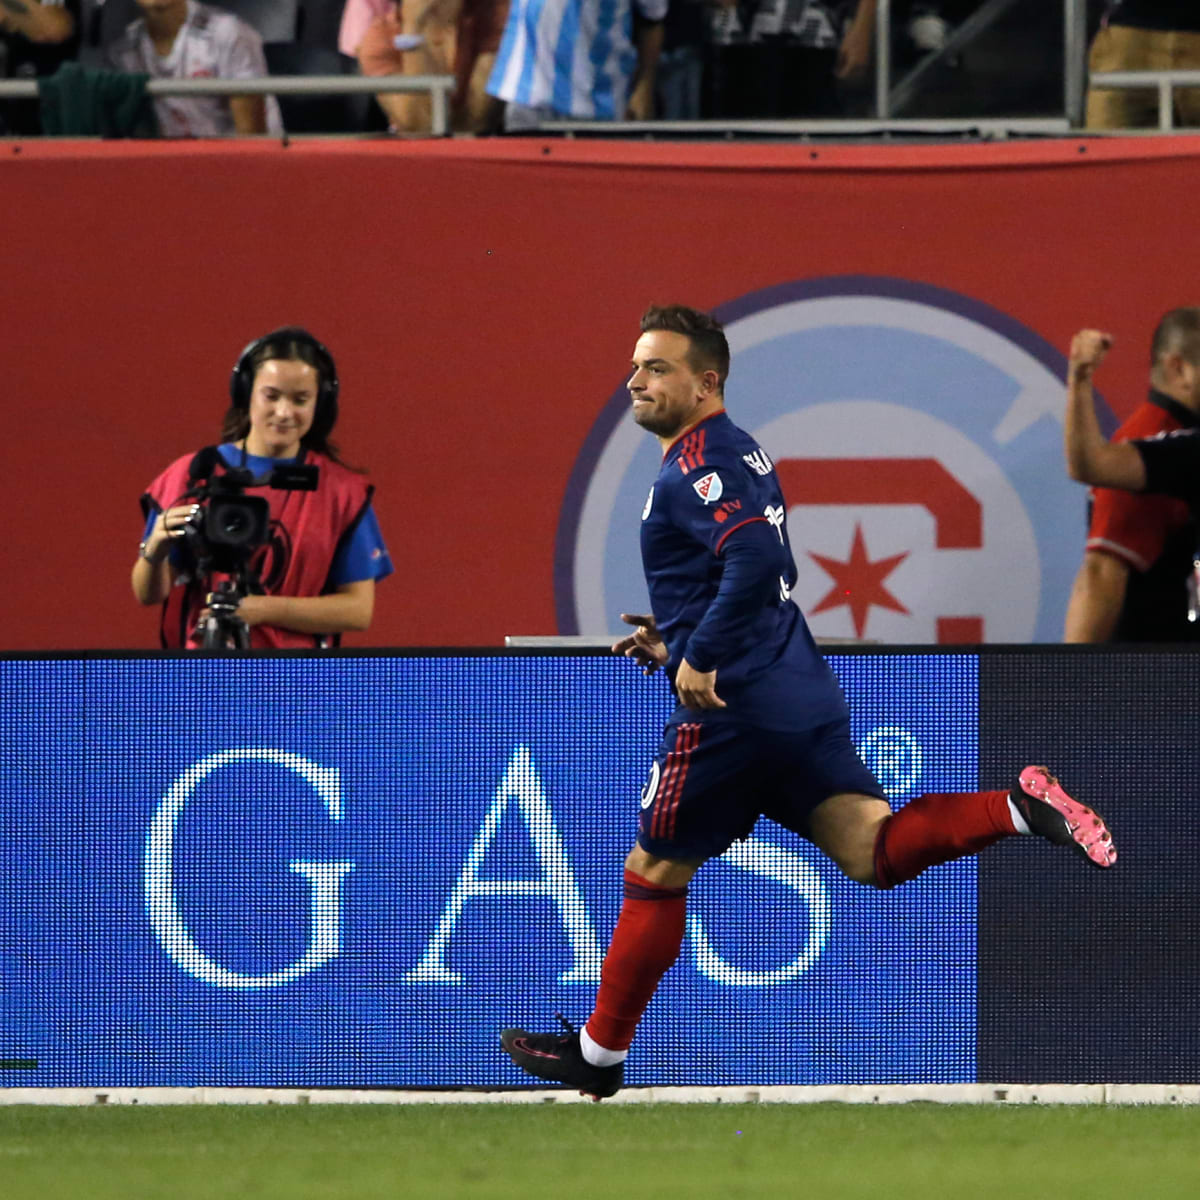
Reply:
x=761, y=726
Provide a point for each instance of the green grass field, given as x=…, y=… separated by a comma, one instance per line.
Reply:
x=901, y=1152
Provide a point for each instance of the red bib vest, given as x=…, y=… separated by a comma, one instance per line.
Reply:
x=306, y=529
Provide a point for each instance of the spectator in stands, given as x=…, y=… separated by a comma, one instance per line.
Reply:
x=180, y=39
x=356, y=16
x=35, y=38
x=788, y=58
x=1144, y=35
x=578, y=59
x=434, y=37
x=679, y=80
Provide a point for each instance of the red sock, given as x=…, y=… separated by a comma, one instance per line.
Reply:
x=644, y=944
x=937, y=828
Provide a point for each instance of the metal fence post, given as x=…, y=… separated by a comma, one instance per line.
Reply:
x=883, y=59
x=1075, y=61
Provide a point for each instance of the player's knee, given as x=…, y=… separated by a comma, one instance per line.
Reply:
x=663, y=872
x=847, y=828
x=859, y=869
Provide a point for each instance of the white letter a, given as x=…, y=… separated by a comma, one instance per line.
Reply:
x=556, y=880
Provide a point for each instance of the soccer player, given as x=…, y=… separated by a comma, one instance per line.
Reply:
x=761, y=725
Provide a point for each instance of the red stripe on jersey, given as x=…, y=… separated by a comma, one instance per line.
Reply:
x=689, y=736
x=671, y=445
x=721, y=539
x=685, y=450
x=671, y=782
x=692, y=451
x=665, y=787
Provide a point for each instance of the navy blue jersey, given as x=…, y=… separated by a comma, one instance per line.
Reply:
x=720, y=572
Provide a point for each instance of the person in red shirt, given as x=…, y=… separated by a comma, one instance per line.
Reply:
x=1132, y=585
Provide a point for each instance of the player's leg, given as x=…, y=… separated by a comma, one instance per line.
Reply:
x=847, y=827
x=873, y=845
x=937, y=828
x=644, y=947
x=690, y=812
x=852, y=822
x=940, y=827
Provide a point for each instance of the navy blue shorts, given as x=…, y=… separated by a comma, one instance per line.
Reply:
x=711, y=781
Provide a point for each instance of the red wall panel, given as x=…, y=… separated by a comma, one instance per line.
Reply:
x=481, y=299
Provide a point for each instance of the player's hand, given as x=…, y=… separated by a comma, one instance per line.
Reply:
x=1088, y=348
x=644, y=645
x=697, y=689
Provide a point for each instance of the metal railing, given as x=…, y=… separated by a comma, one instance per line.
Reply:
x=439, y=88
x=1164, y=82
x=890, y=98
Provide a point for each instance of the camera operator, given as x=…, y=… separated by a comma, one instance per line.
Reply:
x=309, y=574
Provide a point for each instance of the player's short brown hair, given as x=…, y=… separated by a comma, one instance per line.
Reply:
x=1178, y=333
x=708, y=349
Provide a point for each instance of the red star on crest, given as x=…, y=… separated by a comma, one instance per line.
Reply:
x=858, y=584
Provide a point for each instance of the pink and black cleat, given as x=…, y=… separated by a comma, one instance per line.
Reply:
x=1051, y=813
x=558, y=1058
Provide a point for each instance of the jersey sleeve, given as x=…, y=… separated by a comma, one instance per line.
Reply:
x=362, y=555
x=1133, y=527
x=1172, y=462
x=709, y=502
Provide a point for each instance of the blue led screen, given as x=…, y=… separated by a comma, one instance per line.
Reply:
x=354, y=870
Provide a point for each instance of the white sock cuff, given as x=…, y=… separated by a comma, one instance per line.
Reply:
x=596, y=1054
x=1017, y=819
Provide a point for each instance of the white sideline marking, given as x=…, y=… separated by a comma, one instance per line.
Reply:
x=951, y=1093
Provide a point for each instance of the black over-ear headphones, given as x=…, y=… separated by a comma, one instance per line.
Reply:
x=241, y=382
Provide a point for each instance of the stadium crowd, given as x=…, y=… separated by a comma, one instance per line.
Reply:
x=518, y=63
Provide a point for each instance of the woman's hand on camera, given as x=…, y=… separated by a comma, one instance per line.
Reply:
x=170, y=524
x=174, y=521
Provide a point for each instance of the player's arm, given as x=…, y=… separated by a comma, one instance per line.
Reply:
x=749, y=580
x=1091, y=457
x=1097, y=598
x=46, y=23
